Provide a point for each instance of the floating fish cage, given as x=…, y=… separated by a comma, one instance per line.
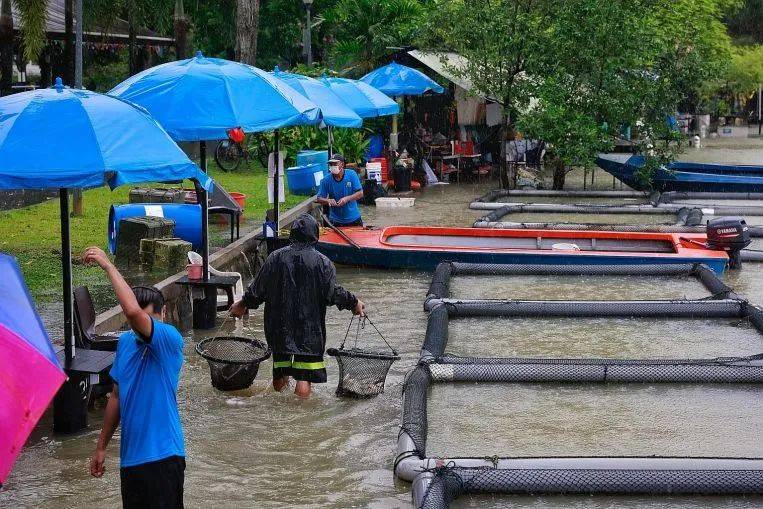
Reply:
x=439, y=480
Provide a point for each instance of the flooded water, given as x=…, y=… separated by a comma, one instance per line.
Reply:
x=256, y=448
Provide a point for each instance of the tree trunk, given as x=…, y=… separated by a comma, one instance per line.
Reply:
x=560, y=173
x=181, y=26
x=132, y=40
x=6, y=47
x=44, y=60
x=247, y=24
x=69, y=43
x=508, y=178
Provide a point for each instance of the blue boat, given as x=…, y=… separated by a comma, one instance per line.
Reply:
x=685, y=176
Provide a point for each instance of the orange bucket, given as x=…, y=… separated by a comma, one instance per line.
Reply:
x=240, y=199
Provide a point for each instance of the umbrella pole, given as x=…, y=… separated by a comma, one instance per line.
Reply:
x=331, y=141
x=277, y=177
x=66, y=270
x=201, y=193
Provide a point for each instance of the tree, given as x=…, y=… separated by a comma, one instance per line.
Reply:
x=32, y=17
x=247, y=23
x=500, y=41
x=365, y=31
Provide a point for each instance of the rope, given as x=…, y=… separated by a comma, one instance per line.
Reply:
x=361, y=324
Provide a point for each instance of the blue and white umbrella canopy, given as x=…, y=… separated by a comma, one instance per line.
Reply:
x=334, y=111
x=362, y=98
x=201, y=98
x=397, y=80
x=61, y=137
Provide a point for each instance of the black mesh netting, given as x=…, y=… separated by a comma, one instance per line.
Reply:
x=361, y=373
x=414, y=421
x=643, y=309
x=233, y=361
x=436, y=336
x=447, y=483
x=439, y=287
x=719, y=370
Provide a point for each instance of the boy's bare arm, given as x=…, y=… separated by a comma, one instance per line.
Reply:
x=138, y=319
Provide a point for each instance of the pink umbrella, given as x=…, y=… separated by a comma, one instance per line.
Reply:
x=30, y=374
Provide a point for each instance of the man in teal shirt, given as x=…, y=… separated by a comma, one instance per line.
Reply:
x=341, y=191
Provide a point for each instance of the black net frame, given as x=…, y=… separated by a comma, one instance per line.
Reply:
x=444, y=484
x=688, y=220
x=437, y=488
x=362, y=372
x=233, y=361
x=439, y=287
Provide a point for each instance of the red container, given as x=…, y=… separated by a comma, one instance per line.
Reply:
x=384, y=167
x=195, y=271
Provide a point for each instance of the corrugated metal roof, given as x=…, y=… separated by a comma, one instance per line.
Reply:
x=55, y=24
x=443, y=64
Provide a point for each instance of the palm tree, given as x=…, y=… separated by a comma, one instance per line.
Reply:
x=367, y=29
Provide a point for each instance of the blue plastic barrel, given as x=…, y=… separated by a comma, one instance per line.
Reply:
x=187, y=220
x=305, y=157
x=304, y=180
x=375, y=146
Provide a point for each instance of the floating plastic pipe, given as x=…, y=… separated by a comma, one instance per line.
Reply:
x=741, y=370
x=722, y=308
x=709, y=210
x=649, y=476
x=661, y=197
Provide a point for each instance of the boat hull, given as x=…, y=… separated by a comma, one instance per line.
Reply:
x=377, y=249
x=685, y=176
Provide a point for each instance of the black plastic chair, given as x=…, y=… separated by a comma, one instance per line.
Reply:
x=84, y=320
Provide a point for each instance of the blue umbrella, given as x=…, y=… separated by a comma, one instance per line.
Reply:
x=333, y=110
x=68, y=138
x=362, y=98
x=61, y=137
x=202, y=98
x=397, y=80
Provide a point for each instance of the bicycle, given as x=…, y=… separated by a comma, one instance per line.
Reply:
x=230, y=152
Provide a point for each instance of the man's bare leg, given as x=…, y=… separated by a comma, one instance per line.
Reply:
x=279, y=384
x=303, y=389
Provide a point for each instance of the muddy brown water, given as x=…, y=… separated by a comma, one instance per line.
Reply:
x=256, y=448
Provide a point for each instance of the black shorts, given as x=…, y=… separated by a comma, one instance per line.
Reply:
x=155, y=485
x=305, y=368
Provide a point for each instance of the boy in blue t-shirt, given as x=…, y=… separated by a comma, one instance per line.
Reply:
x=341, y=191
x=145, y=372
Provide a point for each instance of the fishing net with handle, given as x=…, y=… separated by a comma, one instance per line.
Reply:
x=362, y=372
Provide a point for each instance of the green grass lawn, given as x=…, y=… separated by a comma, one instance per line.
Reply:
x=32, y=234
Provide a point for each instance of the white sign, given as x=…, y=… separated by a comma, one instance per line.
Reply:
x=281, y=193
x=318, y=176
x=154, y=210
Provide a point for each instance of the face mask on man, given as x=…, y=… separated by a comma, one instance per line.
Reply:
x=334, y=169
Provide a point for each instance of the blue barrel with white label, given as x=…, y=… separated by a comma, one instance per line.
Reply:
x=187, y=220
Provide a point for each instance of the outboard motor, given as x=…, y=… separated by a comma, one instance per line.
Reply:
x=729, y=234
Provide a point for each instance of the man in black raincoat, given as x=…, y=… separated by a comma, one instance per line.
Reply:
x=297, y=283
